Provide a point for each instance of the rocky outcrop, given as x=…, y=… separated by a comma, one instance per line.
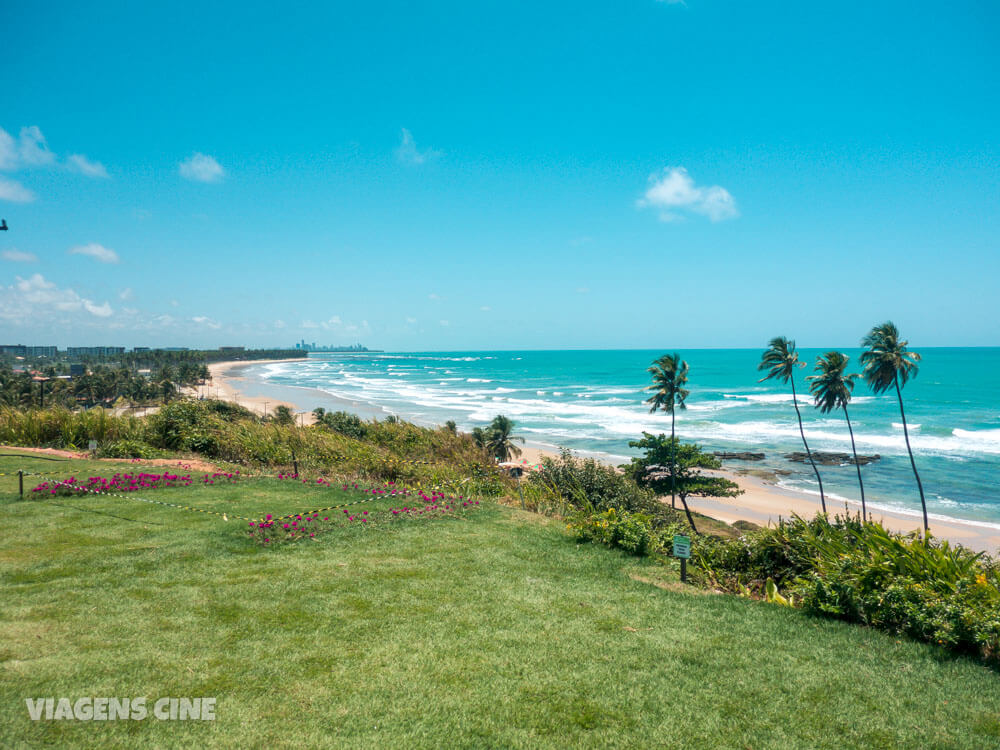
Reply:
x=738, y=456
x=831, y=459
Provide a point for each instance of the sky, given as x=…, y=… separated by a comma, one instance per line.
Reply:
x=499, y=175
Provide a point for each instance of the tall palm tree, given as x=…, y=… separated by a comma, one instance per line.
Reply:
x=500, y=440
x=780, y=360
x=888, y=364
x=832, y=389
x=669, y=378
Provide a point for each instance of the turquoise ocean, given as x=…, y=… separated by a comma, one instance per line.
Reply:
x=592, y=403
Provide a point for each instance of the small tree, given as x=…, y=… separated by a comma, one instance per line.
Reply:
x=655, y=470
x=500, y=438
x=283, y=415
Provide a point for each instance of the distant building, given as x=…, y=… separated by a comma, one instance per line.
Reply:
x=77, y=369
x=94, y=351
x=232, y=348
x=15, y=350
x=41, y=351
x=140, y=348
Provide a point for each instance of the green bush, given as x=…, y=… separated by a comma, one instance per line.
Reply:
x=632, y=532
x=350, y=425
x=588, y=485
x=861, y=572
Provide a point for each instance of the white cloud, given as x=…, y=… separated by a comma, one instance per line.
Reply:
x=408, y=153
x=85, y=166
x=8, y=150
x=201, y=168
x=485, y=308
x=126, y=294
x=411, y=321
x=433, y=297
x=583, y=290
x=32, y=149
x=34, y=300
x=309, y=324
x=674, y=193
x=97, y=252
x=279, y=324
x=14, y=191
x=444, y=322
x=19, y=256
x=207, y=322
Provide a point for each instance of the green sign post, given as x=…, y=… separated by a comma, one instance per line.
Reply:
x=682, y=550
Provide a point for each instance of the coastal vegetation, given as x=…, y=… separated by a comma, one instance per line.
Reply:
x=780, y=360
x=886, y=364
x=684, y=474
x=831, y=390
x=670, y=375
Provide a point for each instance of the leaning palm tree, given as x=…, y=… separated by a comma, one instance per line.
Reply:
x=669, y=378
x=500, y=440
x=780, y=360
x=831, y=389
x=887, y=364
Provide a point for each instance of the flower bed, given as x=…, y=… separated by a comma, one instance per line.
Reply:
x=124, y=482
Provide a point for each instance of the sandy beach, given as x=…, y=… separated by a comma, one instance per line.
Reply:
x=763, y=502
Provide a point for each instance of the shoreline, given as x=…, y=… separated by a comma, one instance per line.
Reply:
x=763, y=502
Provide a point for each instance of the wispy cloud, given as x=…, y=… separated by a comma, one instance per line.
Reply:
x=83, y=165
x=36, y=299
x=32, y=149
x=675, y=194
x=408, y=153
x=97, y=252
x=201, y=167
x=14, y=191
x=201, y=320
x=126, y=294
x=18, y=256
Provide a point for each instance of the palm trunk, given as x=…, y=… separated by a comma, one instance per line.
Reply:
x=864, y=511
x=673, y=464
x=802, y=432
x=687, y=511
x=906, y=435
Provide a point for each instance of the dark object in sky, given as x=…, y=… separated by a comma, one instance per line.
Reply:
x=3, y=225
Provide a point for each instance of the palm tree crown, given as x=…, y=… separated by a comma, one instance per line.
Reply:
x=832, y=388
x=887, y=358
x=500, y=440
x=780, y=360
x=669, y=378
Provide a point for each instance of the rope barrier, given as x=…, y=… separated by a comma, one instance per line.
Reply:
x=225, y=516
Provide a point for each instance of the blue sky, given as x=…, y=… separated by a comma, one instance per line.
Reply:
x=485, y=175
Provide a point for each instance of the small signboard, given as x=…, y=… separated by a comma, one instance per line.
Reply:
x=92, y=446
x=682, y=546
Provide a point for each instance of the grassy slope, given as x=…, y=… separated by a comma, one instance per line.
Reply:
x=495, y=630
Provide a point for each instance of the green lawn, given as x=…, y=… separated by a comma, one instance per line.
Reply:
x=492, y=630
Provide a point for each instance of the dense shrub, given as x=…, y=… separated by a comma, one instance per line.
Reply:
x=861, y=572
x=586, y=484
x=350, y=425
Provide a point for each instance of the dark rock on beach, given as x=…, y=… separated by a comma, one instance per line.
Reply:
x=831, y=459
x=738, y=456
